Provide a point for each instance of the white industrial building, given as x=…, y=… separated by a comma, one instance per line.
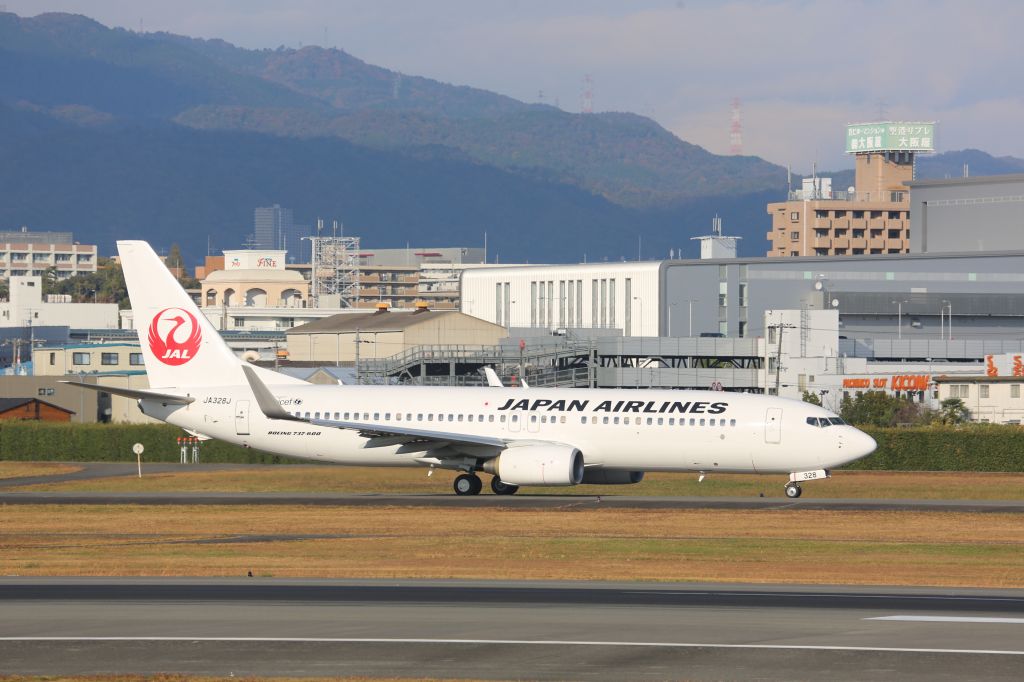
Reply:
x=26, y=307
x=587, y=296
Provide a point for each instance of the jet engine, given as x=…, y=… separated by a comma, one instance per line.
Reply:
x=612, y=477
x=538, y=465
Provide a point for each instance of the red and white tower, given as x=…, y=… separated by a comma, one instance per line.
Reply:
x=736, y=129
x=587, y=96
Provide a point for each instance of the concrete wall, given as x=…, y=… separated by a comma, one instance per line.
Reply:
x=967, y=214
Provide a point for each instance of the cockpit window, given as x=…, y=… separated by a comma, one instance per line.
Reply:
x=822, y=422
x=837, y=421
x=813, y=421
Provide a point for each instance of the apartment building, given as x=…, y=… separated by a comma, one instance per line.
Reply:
x=873, y=216
x=24, y=253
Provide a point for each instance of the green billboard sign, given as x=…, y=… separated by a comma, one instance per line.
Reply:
x=890, y=136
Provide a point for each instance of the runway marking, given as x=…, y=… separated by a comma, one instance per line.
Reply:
x=536, y=642
x=950, y=619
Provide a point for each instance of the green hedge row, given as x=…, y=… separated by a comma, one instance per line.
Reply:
x=979, y=447
x=930, y=448
x=40, y=441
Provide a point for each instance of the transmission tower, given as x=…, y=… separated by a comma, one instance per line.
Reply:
x=736, y=129
x=587, y=97
x=335, y=268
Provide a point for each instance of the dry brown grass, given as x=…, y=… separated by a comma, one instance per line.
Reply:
x=18, y=469
x=852, y=484
x=184, y=678
x=898, y=548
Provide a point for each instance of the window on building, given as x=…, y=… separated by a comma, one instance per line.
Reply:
x=894, y=234
x=894, y=215
x=983, y=391
x=794, y=253
x=795, y=216
x=959, y=391
x=81, y=358
x=108, y=358
x=840, y=214
x=742, y=329
x=858, y=215
x=876, y=214
x=821, y=232
x=794, y=236
x=858, y=234
x=1014, y=390
x=857, y=252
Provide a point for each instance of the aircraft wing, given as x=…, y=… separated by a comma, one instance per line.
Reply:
x=272, y=409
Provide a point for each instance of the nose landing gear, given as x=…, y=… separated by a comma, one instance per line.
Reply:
x=793, y=490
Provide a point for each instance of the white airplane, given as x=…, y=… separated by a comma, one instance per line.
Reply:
x=539, y=437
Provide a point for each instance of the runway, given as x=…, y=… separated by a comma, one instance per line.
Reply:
x=521, y=501
x=485, y=630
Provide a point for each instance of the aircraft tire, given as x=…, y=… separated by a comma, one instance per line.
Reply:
x=467, y=484
x=499, y=487
x=793, y=491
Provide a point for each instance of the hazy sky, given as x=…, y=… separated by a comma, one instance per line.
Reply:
x=802, y=69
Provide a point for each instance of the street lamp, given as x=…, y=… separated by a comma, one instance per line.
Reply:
x=691, y=301
x=899, y=317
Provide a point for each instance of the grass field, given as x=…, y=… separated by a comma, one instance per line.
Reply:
x=895, y=548
x=303, y=478
x=184, y=678
x=18, y=469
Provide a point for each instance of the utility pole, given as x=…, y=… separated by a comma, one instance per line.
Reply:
x=357, y=357
x=778, y=357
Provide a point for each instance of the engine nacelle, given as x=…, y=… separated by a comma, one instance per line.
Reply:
x=612, y=477
x=538, y=465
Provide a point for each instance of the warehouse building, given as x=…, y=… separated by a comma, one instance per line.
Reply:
x=967, y=214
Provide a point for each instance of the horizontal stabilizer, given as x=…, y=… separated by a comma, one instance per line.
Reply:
x=137, y=393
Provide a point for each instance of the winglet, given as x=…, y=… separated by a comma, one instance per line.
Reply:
x=269, y=405
x=492, y=378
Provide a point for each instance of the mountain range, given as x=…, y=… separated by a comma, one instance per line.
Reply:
x=112, y=133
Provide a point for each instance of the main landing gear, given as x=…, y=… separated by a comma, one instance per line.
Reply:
x=469, y=484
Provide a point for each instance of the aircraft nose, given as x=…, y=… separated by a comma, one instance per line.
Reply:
x=862, y=444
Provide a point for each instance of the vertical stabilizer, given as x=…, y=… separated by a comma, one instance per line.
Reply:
x=180, y=346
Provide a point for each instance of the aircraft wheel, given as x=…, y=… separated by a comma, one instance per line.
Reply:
x=793, y=490
x=499, y=487
x=467, y=484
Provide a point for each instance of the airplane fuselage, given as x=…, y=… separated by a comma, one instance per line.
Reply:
x=644, y=430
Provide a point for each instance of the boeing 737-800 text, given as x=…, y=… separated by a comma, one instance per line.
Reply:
x=522, y=437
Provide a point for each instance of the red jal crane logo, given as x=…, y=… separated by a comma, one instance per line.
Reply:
x=165, y=334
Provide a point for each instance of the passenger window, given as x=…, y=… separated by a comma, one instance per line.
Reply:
x=711, y=422
x=615, y=420
x=398, y=416
x=732, y=422
x=533, y=418
x=419, y=417
x=490, y=418
x=460, y=417
x=702, y=422
x=604, y=420
x=583, y=420
x=625, y=420
x=307, y=415
x=366, y=416
x=317, y=415
x=470, y=417
x=661, y=421
x=671, y=421
x=650, y=421
x=376, y=416
x=692, y=421
x=346, y=415
x=408, y=417
x=430, y=417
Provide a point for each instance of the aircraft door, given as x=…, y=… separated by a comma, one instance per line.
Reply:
x=513, y=422
x=773, y=425
x=242, y=418
x=532, y=423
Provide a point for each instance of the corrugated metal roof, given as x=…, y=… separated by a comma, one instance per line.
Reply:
x=373, y=322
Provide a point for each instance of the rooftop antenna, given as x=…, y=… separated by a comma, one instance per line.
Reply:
x=736, y=129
